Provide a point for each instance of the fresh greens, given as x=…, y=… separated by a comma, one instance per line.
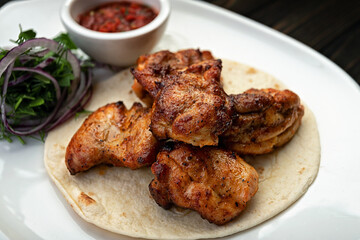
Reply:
x=24, y=36
x=65, y=40
x=83, y=112
x=41, y=86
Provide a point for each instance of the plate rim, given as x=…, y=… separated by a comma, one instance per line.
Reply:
x=342, y=75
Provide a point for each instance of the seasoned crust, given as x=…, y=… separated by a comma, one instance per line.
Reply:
x=212, y=181
x=113, y=135
x=264, y=119
x=182, y=83
x=192, y=107
x=151, y=69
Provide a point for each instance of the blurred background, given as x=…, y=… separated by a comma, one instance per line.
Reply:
x=331, y=27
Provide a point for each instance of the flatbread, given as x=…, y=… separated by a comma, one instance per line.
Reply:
x=118, y=199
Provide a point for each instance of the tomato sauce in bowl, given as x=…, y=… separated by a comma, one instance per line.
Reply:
x=117, y=17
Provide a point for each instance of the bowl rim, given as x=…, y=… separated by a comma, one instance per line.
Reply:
x=69, y=22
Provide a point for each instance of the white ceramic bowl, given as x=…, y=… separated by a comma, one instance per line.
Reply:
x=119, y=49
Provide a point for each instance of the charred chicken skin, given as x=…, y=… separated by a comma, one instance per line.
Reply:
x=212, y=181
x=264, y=119
x=192, y=107
x=113, y=135
x=151, y=69
x=261, y=119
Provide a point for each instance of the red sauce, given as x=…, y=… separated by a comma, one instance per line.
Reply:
x=117, y=17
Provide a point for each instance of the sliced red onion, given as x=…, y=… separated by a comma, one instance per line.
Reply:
x=28, y=131
x=19, y=80
x=28, y=123
x=2, y=97
x=25, y=77
x=6, y=82
x=40, y=53
x=45, y=63
x=71, y=108
x=25, y=58
x=45, y=74
x=71, y=112
x=65, y=108
x=78, y=94
x=49, y=44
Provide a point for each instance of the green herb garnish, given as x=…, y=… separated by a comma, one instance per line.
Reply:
x=31, y=96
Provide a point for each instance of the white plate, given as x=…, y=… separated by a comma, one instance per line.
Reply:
x=32, y=208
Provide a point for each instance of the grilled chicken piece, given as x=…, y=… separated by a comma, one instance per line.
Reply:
x=192, y=107
x=212, y=181
x=151, y=69
x=113, y=135
x=182, y=84
x=265, y=119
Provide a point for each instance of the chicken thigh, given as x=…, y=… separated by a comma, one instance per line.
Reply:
x=264, y=119
x=212, y=181
x=113, y=135
x=192, y=107
x=151, y=69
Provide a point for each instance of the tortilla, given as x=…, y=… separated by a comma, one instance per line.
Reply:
x=118, y=199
